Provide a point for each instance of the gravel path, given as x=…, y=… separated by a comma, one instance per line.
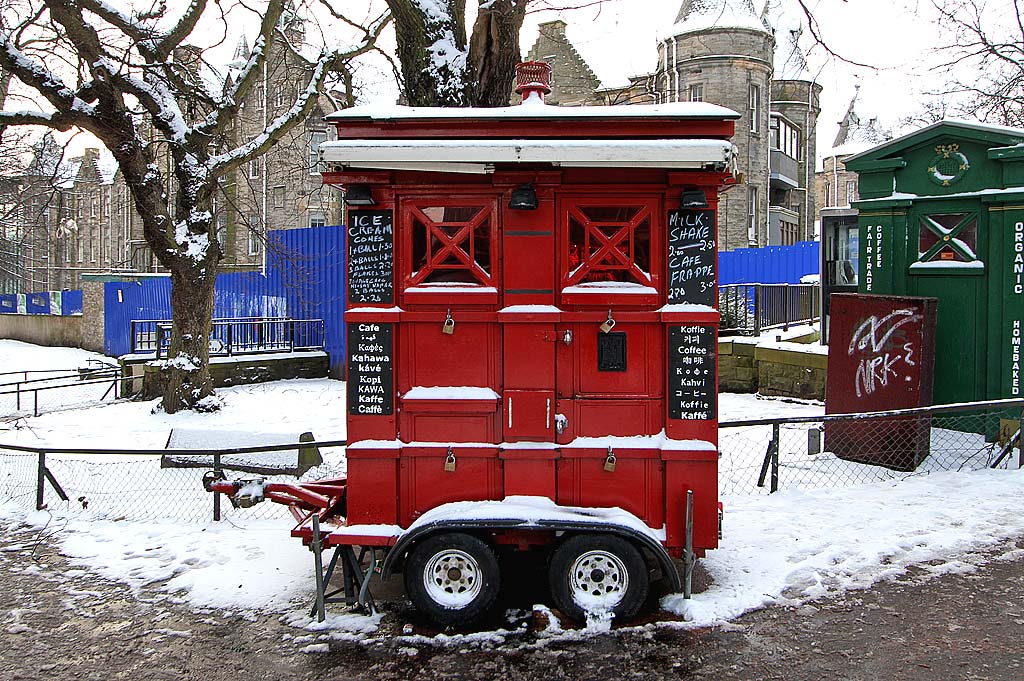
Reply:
x=61, y=623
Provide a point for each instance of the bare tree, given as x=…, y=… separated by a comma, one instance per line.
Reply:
x=988, y=39
x=118, y=74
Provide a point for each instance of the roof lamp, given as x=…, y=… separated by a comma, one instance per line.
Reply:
x=359, y=195
x=524, y=197
x=693, y=198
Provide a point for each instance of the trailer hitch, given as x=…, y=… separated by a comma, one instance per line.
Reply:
x=242, y=493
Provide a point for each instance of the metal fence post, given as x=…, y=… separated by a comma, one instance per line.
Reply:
x=40, y=481
x=786, y=306
x=230, y=335
x=776, y=439
x=757, y=310
x=216, y=497
x=1020, y=441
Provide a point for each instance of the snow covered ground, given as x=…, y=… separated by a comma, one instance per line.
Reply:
x=788, y=547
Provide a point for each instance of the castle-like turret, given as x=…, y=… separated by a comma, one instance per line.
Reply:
x=721, y=51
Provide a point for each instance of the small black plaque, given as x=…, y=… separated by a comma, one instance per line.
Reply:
x=371, y=371
x=611, y=351
x=691, y=387
x=692, y=257
x=371, y=257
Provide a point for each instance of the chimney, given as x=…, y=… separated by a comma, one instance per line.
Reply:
x=533, y=77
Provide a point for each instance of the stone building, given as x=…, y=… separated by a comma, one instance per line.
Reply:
x=78, y=217
x=725, y=52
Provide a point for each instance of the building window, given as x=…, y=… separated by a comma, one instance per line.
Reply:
x=279, y=95
x=257, y=97
x=949, y=237
x=784, y=136
x=278, y=194
x=254, y=168
x=851, y=192
x=317, y=220
x=752, y=215
x=828, y=193
x=254, y=235
x=92, y=248
x=316, y=138
x=93, y=207
x=696, y=93
x=608, y=243
x=755, y=108
x=454, y=243
x=81, y=250
x=222, y=232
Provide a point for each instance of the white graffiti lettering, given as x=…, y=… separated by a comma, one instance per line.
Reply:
x=872, y=340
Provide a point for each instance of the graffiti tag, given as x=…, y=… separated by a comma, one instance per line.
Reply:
x=881, y=352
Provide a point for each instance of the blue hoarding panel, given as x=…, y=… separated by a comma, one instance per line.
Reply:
x=8, y=303
x=311, y=265
x=769, y=265
x=71, y=302
x=38, y=303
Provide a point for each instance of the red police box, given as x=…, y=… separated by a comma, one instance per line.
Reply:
x=532, y=308
x=881, y=357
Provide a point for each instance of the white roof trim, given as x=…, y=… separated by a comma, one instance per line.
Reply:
x=453, y=155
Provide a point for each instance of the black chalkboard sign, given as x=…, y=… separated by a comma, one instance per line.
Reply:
x=371, y=372
x=371, y=257
x=692, y=257
x=692, y=358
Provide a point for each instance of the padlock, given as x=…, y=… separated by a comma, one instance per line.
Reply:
x=448, y=328
x=449, y=462
x=609, y=462
x=609, y=324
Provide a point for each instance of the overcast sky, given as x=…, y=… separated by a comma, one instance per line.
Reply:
x=896, y=37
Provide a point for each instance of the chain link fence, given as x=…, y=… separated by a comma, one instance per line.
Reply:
x=763, y=456
x=135, y=486
x=756, y=457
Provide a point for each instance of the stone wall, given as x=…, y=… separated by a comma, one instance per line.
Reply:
x=737, y=372
x=791, y=373
x=42, y=329
x=794, y=368
x=225, y=371
x=92, y=316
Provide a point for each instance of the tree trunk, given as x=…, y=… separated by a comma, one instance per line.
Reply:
x=192, y=311
x=494, y=50
x=432, y=52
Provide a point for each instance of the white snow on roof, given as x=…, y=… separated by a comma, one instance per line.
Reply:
x=533, y=108
x=672, y=153
x=709, y=14
x=957, y=123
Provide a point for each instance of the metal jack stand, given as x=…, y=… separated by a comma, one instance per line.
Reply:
x=356, y=582
x=689, y=559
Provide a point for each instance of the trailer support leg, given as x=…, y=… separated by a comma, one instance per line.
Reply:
x=688, y=558
x=318, y=564
x=355, y=587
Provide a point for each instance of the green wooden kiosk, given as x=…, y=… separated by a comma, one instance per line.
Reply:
x=942, y=215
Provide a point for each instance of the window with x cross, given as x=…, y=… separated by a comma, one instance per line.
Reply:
x=451, y=243
x=608, y=243
x=949, y=237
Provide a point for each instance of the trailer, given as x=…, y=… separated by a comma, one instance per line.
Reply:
x=531, y=309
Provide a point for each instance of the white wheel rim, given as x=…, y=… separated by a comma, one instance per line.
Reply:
x=452, y=578
x=598, y=580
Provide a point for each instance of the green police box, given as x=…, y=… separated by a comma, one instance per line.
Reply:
x=942, y=215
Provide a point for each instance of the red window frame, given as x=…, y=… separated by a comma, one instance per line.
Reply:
x=648, y=207
x=453, y=237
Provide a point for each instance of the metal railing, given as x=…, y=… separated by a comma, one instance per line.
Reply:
x=234, y=336
x=752, y=308
x=64, y=391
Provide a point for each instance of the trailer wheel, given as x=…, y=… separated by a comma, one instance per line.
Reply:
x=598, y=573
x=452, y=578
